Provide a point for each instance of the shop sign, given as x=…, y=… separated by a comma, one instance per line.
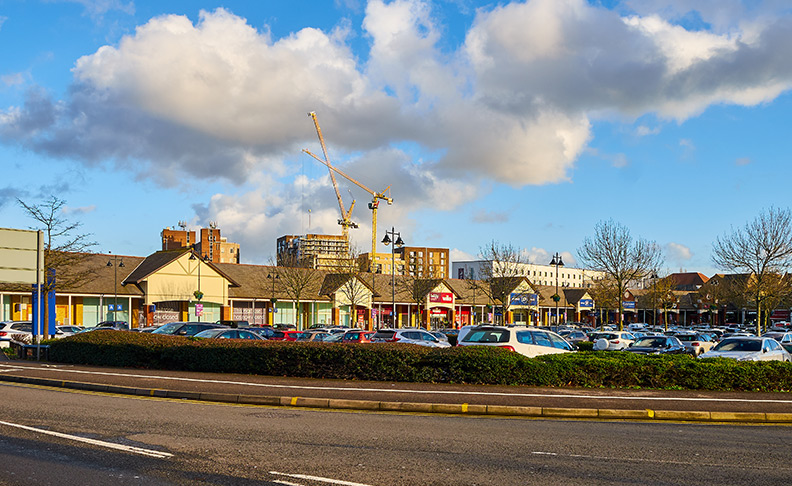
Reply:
x=630, y=304
x=586, y=303
x=441, y=297
x=198, y=309
x=436, y=311
x=524, y=298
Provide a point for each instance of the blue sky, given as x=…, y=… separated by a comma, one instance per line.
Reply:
x=520, y=122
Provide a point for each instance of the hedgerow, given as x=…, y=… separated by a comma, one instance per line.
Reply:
x=407, y=363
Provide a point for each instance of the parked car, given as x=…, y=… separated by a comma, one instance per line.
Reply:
x=313, y=336
x=613, y=341
x=234, y=324
x=119, y=325
x=285, y=335
x=696, y=343
x=408, y=336
x=264, y=331
x=185, y=328
x=357, y=336
x=16, y=331
x=786, y=341
x=657, y=345
x=528, y=341
x=746, y=348
x=574, y=336
x=223, y=333
x=66, y=331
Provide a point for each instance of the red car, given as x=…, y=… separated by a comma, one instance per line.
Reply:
x=357, y=336
x=285, y=335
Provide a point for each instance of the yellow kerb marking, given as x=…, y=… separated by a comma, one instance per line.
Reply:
x=294, y=400
x=464, y=408
x=651, y=413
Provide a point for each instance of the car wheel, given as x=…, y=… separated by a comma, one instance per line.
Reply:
x=601, y=344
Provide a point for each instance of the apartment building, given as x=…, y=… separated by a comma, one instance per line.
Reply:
x=322, y=252
x=538, y=274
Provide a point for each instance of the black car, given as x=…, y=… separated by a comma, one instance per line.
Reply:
x=657, y=345
x=185, y=328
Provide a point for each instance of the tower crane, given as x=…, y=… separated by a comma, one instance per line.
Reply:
x=345, y=221
x=375, y=196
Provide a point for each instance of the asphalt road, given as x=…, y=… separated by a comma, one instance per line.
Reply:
x=209, y=443
x=408, y=392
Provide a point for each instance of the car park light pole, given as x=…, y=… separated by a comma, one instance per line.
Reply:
x=557, y=262
x=400, y=243
x=113, y=262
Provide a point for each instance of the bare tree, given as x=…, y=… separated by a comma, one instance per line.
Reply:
x=500, y=269
x=348, y=272
x=65, y=250
x=660, y=293
x=763, y=249
x=418, y=280
x=606, y=296
x=613, y=252
x=296, y=277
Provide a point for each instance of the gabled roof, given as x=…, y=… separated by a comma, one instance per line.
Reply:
x=157, y=261
x=334, y=281
x=573, y=295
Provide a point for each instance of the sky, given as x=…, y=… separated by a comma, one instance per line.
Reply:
x=524, y=123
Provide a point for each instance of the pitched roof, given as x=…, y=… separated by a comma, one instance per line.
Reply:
x=158, y=260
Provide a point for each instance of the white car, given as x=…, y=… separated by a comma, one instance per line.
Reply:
x=21, y=331
x=528, y=341
x=613, y=341
x=744, y=348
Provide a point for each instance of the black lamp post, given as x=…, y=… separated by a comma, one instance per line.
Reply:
x=398, y=242
x=113, y=262
x=557, y=262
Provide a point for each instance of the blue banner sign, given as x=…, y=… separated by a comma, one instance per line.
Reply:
x=524, y=299
x=629, y=304
x=586, y=303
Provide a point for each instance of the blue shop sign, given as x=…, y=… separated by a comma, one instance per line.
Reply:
x=586, y=303
x=524, y=298
x=629, y=304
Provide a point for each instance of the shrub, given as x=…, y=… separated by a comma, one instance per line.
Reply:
x=403, y=362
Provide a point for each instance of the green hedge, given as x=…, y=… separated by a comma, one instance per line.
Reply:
x=400, y=362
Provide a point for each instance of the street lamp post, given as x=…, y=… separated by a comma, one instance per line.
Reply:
x=113, y=262
x=400, y=243
x=557, y=262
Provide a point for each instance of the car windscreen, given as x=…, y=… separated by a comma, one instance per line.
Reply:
x=168, y=328
x=739, y=345
x=384, y=334
x=487, y=336
x=650, y=342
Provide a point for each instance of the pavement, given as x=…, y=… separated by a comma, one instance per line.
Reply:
x=429, y=398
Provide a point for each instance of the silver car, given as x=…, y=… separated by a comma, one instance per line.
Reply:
x=743, y=348
x=408, y=336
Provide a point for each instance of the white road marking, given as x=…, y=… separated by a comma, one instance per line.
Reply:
x=416, y=392
x=318, y=478
x=285, y=483
x=100, y=443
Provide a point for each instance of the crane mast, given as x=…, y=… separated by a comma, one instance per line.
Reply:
x=373, y=205
x=345, y=221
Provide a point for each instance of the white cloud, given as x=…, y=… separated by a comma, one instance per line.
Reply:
x=97, y=8
x=223, y=101
x=79, y=210
x=743, y=161
x=13, y=79
x=677, y=253
x=643, y=131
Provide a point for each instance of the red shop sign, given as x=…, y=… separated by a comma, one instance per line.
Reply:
x=441, y=297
